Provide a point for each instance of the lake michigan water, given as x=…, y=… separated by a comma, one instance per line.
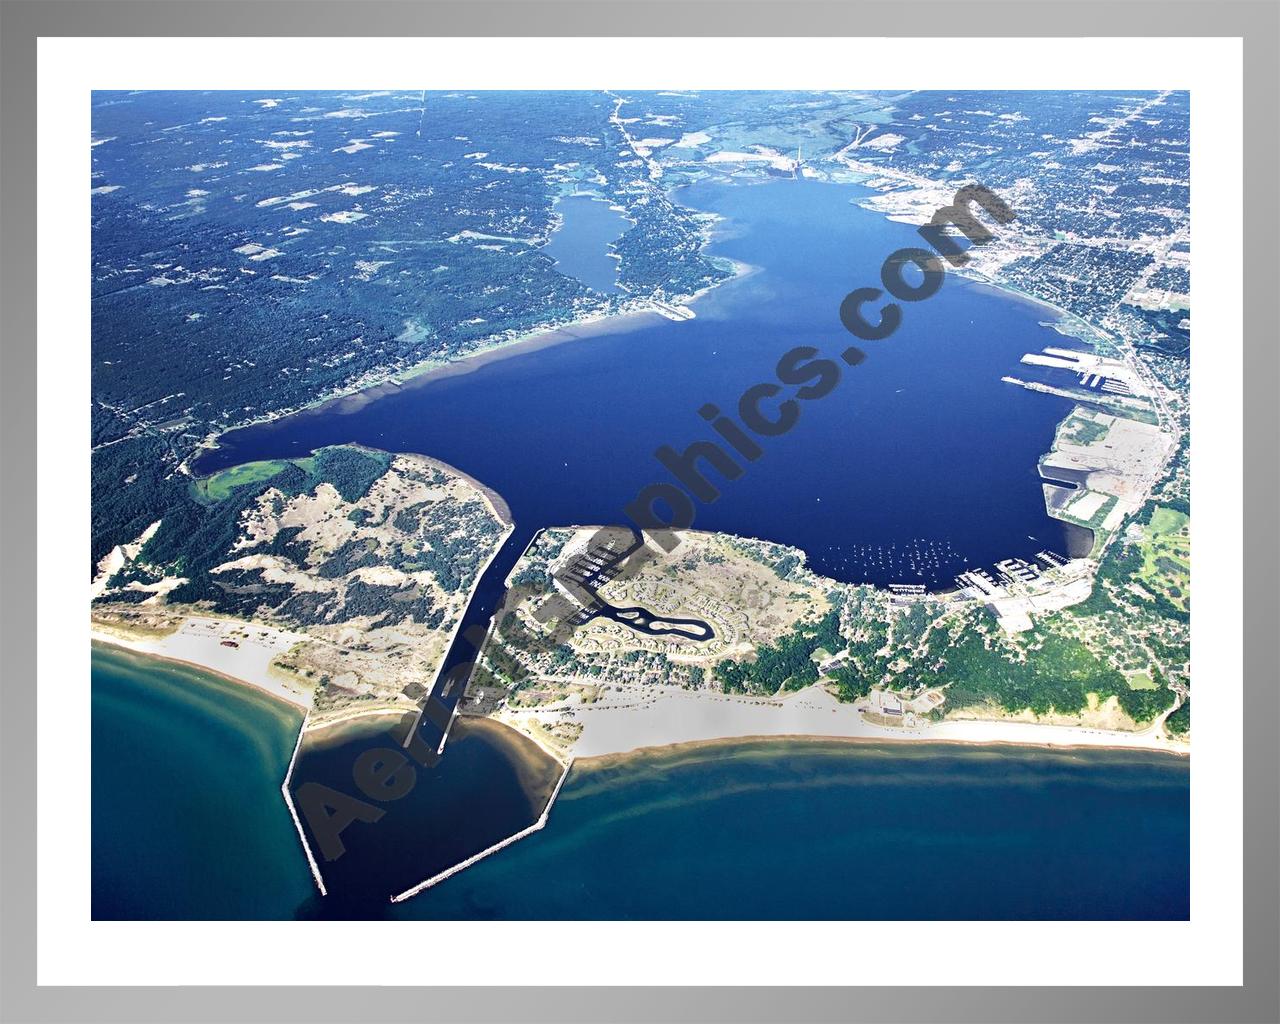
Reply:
x=921, y=463
x=188, y=822
x=188, y=818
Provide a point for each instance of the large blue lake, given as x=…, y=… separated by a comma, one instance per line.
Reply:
x=921, y=462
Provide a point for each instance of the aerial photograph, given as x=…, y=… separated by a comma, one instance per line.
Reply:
x=666, y=505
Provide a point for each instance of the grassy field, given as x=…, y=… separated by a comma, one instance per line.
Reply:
x=1102, y=504
x=219, y=486
x=1141, y=681
x=1082, y=428
x=1166, y=557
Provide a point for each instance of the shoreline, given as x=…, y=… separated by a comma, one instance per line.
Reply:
x=907, y=743
x=357, y=716
x=968, y=732
x=119, y=644
x=497, y=503
x=1176, y=749
x=382, y=383
x=360, y=393
x=240, y=650
x=355, y=397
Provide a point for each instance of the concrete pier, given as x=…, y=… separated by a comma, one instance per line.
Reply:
x=293, y=811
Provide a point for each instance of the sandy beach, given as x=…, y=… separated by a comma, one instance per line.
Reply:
x=670, y=715
x=203, y=642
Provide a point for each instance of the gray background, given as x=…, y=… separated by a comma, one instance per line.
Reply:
x=1257, y=21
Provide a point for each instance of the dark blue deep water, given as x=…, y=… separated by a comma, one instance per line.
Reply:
x=922, y=448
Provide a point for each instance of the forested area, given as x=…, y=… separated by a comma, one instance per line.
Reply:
x=1056, y=674
x=196, y=534
x=252, y=257
x=785, y=665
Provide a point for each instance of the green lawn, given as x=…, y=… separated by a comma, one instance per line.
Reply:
x=1095, y=521
x=219, y=486
x=1166, y=557
x=1141, y=681
x=1168, y=520
x=1081, y=428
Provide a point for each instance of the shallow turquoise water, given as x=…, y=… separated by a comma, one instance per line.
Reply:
x=188, y=819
